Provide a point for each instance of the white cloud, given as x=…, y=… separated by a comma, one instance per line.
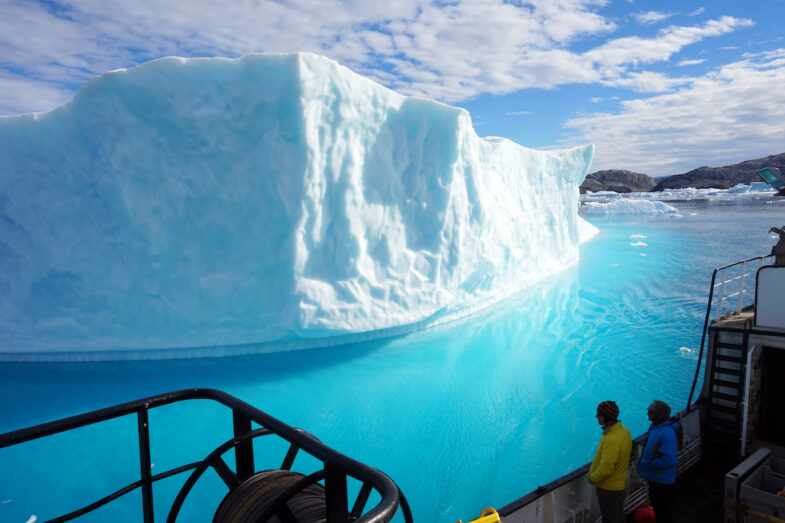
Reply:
x=733, y=114
x=697, y=12
x=637, y=50
x=451, y=51
x=690, y=62
x=646, y=82
x=23, y=95
x=519, y=113
x=512, y=47
x=650, y=17
x=595, y=99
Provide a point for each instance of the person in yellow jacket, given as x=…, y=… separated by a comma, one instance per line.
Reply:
x=608, y=472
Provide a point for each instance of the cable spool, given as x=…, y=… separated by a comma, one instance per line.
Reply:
x=246, y=503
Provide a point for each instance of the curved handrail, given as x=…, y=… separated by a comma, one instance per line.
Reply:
x=388, y=490
x=703, y=338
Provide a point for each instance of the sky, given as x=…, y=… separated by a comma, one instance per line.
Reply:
x=658, y=87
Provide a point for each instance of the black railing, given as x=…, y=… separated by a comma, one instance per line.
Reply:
x=739, y=294
x=337, y=467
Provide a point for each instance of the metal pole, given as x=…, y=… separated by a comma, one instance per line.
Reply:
x=722, y=294
x=336, y=491
x=243, y=452
x=145, y=465
x=746, y=403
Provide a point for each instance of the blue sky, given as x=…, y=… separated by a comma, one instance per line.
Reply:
x=658, y=87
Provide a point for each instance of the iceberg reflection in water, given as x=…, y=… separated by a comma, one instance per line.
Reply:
x=466, y=415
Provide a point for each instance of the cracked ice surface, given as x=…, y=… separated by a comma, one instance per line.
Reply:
x=271, y=198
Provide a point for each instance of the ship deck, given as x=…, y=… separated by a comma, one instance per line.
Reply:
x=699, y=493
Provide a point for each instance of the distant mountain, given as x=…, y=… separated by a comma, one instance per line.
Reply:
x=617, y=181
x=721, y=177
x=701, y=178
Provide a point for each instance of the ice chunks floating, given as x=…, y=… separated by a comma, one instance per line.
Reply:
x=628, y=206
x=275, y=197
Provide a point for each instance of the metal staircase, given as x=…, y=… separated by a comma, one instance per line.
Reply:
x=726, y=382
x=734, y=285
x=733, y=296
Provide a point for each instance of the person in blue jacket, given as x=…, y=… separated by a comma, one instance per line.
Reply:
x=658, y=463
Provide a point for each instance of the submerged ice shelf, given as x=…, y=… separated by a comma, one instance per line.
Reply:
x=215, y=202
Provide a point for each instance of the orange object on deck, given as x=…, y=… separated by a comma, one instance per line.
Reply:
x=645, y=515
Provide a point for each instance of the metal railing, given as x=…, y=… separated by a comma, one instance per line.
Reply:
x=337, y=467
x=730, y=286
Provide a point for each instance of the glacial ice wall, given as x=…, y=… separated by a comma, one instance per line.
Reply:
x=216, y=202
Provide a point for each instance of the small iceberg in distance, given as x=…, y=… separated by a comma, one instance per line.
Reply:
x=739, y=192
x=276, y=197
x=739, y=188
x=628, y=206
x=761, y=187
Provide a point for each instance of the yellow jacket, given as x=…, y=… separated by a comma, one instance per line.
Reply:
x=609, y=469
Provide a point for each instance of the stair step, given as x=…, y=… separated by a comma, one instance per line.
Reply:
x=722, y=408
x=721, y=443
x=718, y=439
x=721, y=415
x=726, y=345
x=712, y=417
x=728, y=384
x=732, y=359
x=716, y=425
x=723, y=396
x=723, y=434
x=722, y=370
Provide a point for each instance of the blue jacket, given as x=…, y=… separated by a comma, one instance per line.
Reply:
x=658, y=463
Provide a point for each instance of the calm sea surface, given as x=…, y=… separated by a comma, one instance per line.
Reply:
x=471, y=414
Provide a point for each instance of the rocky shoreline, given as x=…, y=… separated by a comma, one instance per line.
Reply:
x=622, y=181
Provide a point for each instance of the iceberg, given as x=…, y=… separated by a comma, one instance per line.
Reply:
x=739, y=188
x=628, y=206
x=268, y=202
x=761, y=187
x=739, y=192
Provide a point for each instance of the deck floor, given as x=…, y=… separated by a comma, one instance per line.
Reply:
x=699, y=493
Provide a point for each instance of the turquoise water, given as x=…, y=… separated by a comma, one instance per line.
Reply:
x=467, y=415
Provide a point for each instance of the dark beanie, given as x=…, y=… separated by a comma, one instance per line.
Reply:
x=609, y=409
x=661, y=412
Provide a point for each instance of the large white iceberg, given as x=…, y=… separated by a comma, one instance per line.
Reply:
x=217, y=202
